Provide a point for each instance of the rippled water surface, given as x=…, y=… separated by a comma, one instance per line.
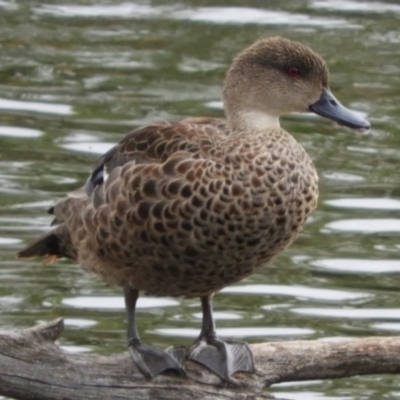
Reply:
x=76, y=76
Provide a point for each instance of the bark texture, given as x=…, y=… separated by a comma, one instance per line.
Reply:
x=32, y=366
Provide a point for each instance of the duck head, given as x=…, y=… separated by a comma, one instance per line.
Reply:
x=275, y=76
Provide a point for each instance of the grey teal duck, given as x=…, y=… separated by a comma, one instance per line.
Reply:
x=187, y=208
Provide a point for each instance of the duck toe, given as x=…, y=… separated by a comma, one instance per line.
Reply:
x=152, y=361
x=223, y=358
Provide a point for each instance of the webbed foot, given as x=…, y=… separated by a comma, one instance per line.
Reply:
x=223, y=358
x=152, y=361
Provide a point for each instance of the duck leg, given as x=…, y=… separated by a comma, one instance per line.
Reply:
x=223, y=358
x=149, y=360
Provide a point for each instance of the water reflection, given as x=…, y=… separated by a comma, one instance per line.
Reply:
x=123, y=10
x=218, y=15
x=9, y=241
x=358, y=266
x=359, y=6
x=364, y=225
x=351, y=313
x=388, y=326
x=79, y=322
x=45, y=108
x=14, y=131
x=74, y=349
x=88, y=147
x=365, y=203
x=343, y=176
x=302, y=391
x=245, y=15
x=115, y=303
x=310, y=396
x=259, y=332
x=75, y=77
x=297, y=292
x=219, y=316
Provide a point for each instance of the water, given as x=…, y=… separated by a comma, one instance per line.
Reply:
x=76, y=76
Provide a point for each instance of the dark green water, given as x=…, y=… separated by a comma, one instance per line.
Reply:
x=75, y=77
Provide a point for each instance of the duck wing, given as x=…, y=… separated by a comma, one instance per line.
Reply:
x=155, y=144
x=150, y=145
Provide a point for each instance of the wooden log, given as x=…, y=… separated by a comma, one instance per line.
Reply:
x=32, y=366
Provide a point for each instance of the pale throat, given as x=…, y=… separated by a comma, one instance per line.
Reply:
x=255, y=120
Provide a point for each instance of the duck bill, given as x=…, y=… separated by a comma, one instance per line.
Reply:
x=329, y=107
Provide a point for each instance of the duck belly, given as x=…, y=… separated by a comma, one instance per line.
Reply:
x=192, y=254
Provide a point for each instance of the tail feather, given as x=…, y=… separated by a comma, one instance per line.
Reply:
x=58, y=243
x=48, y=245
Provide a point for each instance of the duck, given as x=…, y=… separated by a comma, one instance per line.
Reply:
x=186, y=208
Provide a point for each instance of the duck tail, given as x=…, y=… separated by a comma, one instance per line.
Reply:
x=49, y=245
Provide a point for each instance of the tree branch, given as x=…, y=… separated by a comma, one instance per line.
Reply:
x=32, y=366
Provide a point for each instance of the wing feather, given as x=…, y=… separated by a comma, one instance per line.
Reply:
x=154, y=144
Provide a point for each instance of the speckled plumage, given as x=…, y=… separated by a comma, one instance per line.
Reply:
x=190, y=207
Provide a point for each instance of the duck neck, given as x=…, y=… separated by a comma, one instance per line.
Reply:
x=253, y=121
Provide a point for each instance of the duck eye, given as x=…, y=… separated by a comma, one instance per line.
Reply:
x=294, y=72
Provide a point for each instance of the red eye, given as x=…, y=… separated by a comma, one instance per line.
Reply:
x=293, y=72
